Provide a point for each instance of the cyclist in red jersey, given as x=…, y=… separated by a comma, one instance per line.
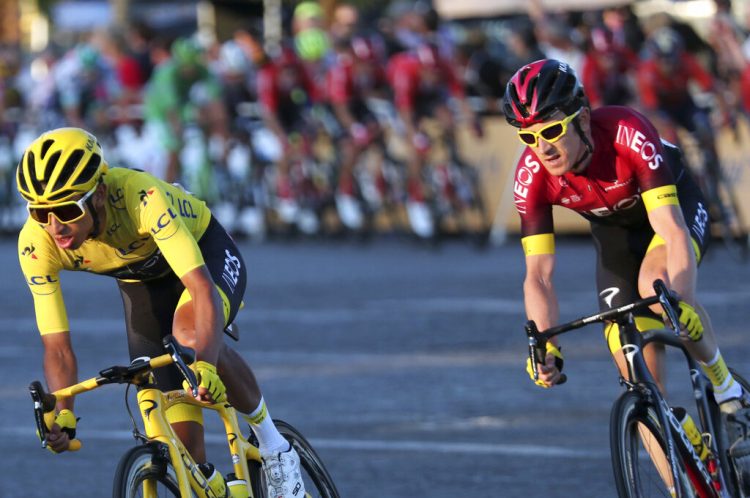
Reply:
x=286, y=93
x=647, y=215
x=356, y=75
x=606, y=70
x=664, y=88
x=423, y=81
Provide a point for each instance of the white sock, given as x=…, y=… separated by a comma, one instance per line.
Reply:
x=270, y=440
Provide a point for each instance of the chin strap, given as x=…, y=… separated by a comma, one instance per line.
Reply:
x=97, y=229
x=589, y=148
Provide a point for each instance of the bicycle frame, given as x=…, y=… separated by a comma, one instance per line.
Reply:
x=640, y=380
x=153, y=405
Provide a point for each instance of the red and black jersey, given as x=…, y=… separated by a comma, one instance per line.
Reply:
x=628, y=160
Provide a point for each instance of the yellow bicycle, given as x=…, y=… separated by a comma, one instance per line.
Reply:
x=160, y=465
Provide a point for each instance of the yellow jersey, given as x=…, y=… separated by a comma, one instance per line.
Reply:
x=152, y=228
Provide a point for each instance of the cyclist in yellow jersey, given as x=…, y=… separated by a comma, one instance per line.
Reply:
x=178, y=271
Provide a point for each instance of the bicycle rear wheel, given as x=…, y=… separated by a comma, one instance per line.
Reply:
x=635, y=436
x=318, y=482
x=145, y=467
x=722, y=440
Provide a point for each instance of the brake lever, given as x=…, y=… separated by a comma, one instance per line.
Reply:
x=174, y=350
x=537, y=352
x=667, y=303
x=37, y=395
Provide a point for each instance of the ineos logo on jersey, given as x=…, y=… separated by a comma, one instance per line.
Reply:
x=231, y=273
x=637, y=142
x=524, y=177
x=700, y=221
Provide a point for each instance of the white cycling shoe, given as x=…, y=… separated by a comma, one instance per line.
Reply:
x=420, y=219
x=283, y=476
x=349, y=211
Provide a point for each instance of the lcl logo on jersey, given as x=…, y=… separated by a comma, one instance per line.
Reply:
x=637, y=142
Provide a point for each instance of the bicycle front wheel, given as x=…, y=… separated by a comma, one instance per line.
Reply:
x=638, y=444
x=145, y=471
x=318, y=482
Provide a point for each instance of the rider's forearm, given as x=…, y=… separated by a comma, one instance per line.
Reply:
x=681, y=266
x=60, y=371
x=541, y=302
x=208, y=325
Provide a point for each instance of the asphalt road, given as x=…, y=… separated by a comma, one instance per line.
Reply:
x=402, y=364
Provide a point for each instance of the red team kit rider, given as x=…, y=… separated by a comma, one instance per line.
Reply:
x=647, y=215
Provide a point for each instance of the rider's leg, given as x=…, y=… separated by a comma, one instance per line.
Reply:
x=705, y=350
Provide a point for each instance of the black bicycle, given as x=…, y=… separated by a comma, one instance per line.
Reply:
x=651, y=453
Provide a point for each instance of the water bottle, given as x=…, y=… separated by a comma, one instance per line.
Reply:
x=695, y=436
x=237, y=488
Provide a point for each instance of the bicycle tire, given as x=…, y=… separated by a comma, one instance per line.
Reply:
x=141, y=464
x=722, y=441
x=636, y=476
x=317, y=479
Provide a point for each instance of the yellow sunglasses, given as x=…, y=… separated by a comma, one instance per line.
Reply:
x=550, y=133
x=65, y=212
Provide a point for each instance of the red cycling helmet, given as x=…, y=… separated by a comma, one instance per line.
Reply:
x=539, y=89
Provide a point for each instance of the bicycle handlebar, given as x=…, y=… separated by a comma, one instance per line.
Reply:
x=538, y=339
x=135, y=373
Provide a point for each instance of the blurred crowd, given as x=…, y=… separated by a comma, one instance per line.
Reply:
x=237, y=120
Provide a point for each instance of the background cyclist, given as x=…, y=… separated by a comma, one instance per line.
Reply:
x=177, y=269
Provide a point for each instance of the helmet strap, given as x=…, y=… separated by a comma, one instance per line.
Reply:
x=95, y=216
x=589, y=148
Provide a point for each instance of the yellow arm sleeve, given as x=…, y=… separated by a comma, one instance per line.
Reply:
x=543, y=243
x=660, y=196
x=41, y=267
x=163, y=221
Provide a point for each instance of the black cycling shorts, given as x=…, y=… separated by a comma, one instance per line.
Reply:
x=150, y=305
x=620, y=250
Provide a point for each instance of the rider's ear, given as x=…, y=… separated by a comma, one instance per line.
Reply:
x=100, y=195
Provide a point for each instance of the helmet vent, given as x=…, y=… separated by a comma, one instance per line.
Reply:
x=45, y=147
x=67, y=169
x=92, y=166
x=38, y=187
x=49, y=168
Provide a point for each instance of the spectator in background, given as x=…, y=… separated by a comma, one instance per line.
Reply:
x=345, y=22
x=625, y=27
x=483, y=75
x=606, y=70
x=138, y=37
x=85, y=86
x=111, y=45
x=557, y=39
x=522, y=46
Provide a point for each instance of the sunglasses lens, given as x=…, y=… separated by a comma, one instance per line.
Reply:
x=527, y=138
x=552, y=132
x=66, y=213
x=40, y=215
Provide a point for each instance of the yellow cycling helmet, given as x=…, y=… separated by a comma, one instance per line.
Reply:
x=59, y=165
